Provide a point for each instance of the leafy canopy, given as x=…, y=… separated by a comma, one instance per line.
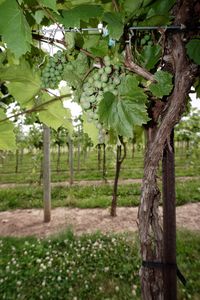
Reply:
x=27, y=72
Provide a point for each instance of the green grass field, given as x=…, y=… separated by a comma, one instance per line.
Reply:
x=30, y=165
x=89, y=196
x=92, y=267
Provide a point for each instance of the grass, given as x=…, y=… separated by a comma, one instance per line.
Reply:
x=29, y=167
x=91, y=267
x=89, y=196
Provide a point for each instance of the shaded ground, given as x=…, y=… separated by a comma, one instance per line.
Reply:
x=30, y=221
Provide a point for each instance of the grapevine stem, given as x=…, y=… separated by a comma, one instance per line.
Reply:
x=35, y=108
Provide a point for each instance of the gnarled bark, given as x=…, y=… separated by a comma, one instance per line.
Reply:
x=150, y=229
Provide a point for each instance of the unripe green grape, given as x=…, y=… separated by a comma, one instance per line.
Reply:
x=116, y=81
x=92, y=99
x=150, y=43
x=143, y=41
x=63, y=60
x=59, y=53
x=98, y=126
x=147, y=37
x=86, y=105
x=108, y=70
x=101, y=71
x=115, y=92
x=46, y=74
x=96, y=76
x=98, y=84
x=104, y=77
x=57, y=72
x=60, y=67
x=91, y=80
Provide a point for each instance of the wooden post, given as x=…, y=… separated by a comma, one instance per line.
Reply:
x=169, y=221
x=46, y=174
x=71, y=160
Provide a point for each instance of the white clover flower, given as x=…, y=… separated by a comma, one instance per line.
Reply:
x=75, y=298
x=43, y=283
x=25, y=252
x=59, y=278
x=117, y=289
x=70, y=289
x=38, y=260
x=19, y=282
x=106, y=269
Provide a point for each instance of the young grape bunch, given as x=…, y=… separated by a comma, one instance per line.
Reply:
x=52, y=72
x=102, y=80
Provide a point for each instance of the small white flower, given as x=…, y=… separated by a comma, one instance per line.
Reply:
x=19, y=282
x=117, y=289
x=59, y=278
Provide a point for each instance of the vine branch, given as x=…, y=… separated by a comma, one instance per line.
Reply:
x=35, y=108
x=129, y=64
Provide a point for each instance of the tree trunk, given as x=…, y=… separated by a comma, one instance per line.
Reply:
x=58, y=160
x=150, y=232
x=46, y=174
x=79, y=157
x=169, y=222
x=17, y=161
x=104, y=163
x=119, y=161
x=71, y=161
x=99, y=156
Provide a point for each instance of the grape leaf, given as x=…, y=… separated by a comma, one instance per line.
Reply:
x=132, y=6
x=72, y=17
x=156, y=20
x=149, y=56
x=54, y=114
x=193, y=50
x=121, y=113
x=115, y=24
x=91, y=130
x=7, y=136
x=75, y=70
x=160, y=8
x=38, y=16
x=14, y=28
x=49, y=3
x=23, y=82
x=164, y=84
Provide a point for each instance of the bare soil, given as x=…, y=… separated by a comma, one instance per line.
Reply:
x=28, y=222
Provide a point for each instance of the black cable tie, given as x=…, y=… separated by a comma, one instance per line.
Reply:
x=162, y=265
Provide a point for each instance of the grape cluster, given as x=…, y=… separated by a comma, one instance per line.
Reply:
x=146, y=40
x=104, y=79
x=52, y=73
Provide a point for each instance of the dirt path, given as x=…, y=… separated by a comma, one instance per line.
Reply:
x=30, y=221
x=90, y=182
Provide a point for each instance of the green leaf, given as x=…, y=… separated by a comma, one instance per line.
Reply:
x=49, y=4
x=54, y=114
x=131, y=6
x=14, y=28
x=115, y=24
x=155, y=21
x=160, y=8
x=70, y=40
x=72, y=17
x=193, y=50
x=164, y=84
x=38, y=16
x=23, y=82
x=125, y=111
x=91, y=130
x=7, y=136
x=149, y=56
